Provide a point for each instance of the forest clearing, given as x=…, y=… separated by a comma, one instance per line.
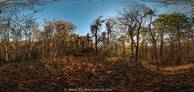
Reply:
x=97, y=46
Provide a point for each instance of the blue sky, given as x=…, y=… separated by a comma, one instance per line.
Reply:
x=83, y=12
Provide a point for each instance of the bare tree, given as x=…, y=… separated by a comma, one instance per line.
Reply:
x=95, y=28
x=153, y=34
x=133, y=18
x=109, y=26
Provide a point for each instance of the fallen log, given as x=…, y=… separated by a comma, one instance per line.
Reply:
x=168, y=70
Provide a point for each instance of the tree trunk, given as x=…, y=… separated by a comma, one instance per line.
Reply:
x=96, y=43
x=6, y=52
x=161, y=48
x=137, y=45
x=154, y=42
x=132, y=46
x=179, y=47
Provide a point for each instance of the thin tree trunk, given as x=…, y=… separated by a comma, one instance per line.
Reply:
x=96, y=43
x=161, y=49
x=179, y=47
x=137, y=45
x=6, y=52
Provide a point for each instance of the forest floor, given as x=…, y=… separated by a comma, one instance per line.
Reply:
x=90, y=73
